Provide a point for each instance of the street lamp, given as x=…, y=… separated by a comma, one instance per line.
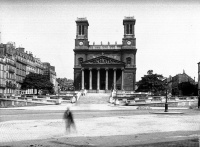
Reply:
x=166, y=87
x=166, y=104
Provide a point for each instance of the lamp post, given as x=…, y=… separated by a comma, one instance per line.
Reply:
x=58, y=91
x=166, y=87
x=166, y=104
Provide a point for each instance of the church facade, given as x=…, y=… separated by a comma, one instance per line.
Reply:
x=101, y=68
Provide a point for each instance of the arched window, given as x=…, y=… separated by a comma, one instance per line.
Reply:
x=128, y=60
x=80, y=60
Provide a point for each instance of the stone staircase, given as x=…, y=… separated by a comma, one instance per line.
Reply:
x=94, y=98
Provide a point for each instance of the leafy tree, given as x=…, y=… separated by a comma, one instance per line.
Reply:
x=153, y=83
x=64, y=83
x=37, y=81
x=150, y=72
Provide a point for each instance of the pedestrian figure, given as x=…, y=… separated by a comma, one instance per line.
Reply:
x=69, y=121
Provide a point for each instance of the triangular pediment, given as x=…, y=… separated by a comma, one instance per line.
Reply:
x=102, y=60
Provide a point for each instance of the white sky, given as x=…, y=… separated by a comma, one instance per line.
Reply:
x=167, y=32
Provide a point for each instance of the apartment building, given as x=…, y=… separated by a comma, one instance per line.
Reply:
x=49, y=71
x=198, y=78
x=15, y=64
x=39, y=66
x=2, y=70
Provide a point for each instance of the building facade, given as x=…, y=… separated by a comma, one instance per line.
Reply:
x=49, y=71
x=101, y=68
x=199, y=78
x=2, y=70
x=180, y=78
x=15, y=64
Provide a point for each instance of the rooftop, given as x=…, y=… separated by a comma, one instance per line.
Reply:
x=81, y=18
x=128, y=17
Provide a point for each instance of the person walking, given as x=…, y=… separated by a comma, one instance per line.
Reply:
x=69, y=120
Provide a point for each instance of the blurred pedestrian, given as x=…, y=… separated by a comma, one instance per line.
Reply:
x=69, y=120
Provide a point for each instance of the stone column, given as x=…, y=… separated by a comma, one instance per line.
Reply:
x=114, y=80
x=83, y=84
x=106, y=78
x=124, y=29
x=122, y=88
x=77, y=30
x=134, y=59
x=90, y=78
x=98, y=78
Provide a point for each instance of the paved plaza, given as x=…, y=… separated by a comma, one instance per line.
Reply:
x=100, y=131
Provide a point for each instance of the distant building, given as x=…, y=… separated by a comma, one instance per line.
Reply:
x=49, y=71
x=199, y=78
x=2, y=70
x=101, y=68
x=39, y=66
x=15, y=64
x=9, y=55
x=180, y=78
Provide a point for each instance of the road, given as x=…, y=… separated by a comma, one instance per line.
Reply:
x=99, y=128
x=8, y=115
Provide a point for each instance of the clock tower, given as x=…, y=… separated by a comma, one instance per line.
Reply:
x=81, y=41
x=129, y=33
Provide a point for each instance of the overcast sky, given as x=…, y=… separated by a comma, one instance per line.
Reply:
x=167, y=32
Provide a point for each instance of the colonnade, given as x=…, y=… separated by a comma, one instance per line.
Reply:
x=98, y=78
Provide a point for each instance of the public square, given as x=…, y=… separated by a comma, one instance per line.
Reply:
x=87, y=73
x=98, y=125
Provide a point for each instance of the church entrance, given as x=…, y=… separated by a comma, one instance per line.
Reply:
x=102, y=73
x=102, y=79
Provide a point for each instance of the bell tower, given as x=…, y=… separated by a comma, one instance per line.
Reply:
x=129, y=39
x=81, y=40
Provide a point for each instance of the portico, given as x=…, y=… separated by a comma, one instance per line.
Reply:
x=102, y=73
x=102, y=81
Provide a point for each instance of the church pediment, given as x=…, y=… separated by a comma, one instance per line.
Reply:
x=102, y=60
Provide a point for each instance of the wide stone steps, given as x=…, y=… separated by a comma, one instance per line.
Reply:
x=94, y=98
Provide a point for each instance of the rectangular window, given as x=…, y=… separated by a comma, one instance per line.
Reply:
x=79, y=30
x=131, y=29
x=127, y=29
x=82, y=30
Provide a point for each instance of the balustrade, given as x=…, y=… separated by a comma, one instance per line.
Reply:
x=104, y=47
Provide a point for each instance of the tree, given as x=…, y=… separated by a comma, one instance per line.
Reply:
x=64, y=83
x=37, y=81
x=153, y=83
x=150, y=72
